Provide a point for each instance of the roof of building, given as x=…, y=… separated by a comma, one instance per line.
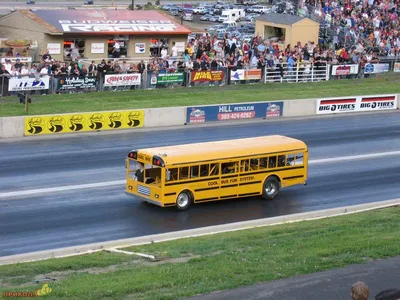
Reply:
x=181, y=154
x=41, y=22
x=284, y=19
x=104, y=21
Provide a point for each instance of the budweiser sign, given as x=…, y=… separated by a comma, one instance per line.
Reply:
x=122, y=80
x=202, y=76
x=116, y=26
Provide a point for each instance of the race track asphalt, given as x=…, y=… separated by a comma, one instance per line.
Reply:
x=36, y=222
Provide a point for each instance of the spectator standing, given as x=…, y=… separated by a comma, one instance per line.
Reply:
x=4, y=75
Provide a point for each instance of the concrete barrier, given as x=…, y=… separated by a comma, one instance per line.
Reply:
x=164, y=117
x=299, y=108
x=11, y=127
x=163, y=237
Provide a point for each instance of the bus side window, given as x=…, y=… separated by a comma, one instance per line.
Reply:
x=281, y=161
x=228, y=168
x=173, y=174
x=263, y=162
x=244, y=165
x=214, y=169
x=272, y=162
x=290, y=160
x=254, y=164
x=183, y=173
x=194, y=171
x=299, y=158
x=203, y=170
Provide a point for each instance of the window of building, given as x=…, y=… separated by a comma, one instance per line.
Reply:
x=156, y=45
x=69, y=45
x=123, y=47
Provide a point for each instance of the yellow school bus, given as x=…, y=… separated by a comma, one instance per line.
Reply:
x=182, y=175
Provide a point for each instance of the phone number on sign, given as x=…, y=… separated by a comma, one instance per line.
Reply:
x=235, y=116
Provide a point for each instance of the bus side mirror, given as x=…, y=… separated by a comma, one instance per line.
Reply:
x=126, y=163
x=168, y=175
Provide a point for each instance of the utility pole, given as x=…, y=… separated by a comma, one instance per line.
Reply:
x=133, y=4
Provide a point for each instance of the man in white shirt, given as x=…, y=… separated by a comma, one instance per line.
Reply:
x=8, y=65
x=164, y=53
x=174, y=51
x=117, y=49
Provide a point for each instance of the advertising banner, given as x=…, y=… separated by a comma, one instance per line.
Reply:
x=83, y=122
x=231, y=112
x=77, y=82
x=14, y=59
x=396, y=67
x=376, y=68
x=344, y=70
x=163, y=78
x=204, y=76
x=356, y=104
x=28, y=84
x=254, y=74
x=122, y=79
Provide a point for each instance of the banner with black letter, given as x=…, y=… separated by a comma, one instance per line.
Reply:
x=356, y=104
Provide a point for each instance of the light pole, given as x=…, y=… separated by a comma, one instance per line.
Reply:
x=133, y=4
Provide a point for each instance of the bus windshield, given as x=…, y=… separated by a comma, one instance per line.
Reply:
x=145, y=173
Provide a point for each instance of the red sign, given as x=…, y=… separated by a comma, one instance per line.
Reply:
x=197, y=116
x=236, y=115
x=204, y=76
x=273, y=110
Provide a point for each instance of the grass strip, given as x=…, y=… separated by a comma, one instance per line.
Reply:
x=205, y=264
x=204, y=95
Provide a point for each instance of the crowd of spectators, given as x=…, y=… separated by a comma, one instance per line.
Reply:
x=352, y=32
x=360, y=24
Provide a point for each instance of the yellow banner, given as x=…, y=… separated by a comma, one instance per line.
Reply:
x=95, y=121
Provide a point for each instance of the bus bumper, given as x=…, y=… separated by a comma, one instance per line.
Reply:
x=144, y=199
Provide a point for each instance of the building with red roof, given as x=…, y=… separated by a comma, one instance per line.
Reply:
x=95, y=32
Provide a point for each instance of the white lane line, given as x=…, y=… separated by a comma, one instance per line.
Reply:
x=61, y=189
x=121, y=182
x=353, y=157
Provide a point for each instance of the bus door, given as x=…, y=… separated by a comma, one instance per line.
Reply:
x=229, y=187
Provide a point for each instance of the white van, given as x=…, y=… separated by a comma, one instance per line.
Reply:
x=232, y=15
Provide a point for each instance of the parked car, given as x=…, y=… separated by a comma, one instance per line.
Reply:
x=201, y=10
x=174, y=12
x=205, y=17
x=213, y=19
x=30, y=2
x=88, y=2
x=187, y=17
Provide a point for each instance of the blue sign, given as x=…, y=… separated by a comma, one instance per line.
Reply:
x=376, y=68
x=258, y=110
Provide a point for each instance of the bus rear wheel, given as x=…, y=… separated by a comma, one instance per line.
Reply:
x=183, y=201
x=270, y=188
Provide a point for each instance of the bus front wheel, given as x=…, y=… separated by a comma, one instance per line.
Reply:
x=270, y=188
x=184, y=200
